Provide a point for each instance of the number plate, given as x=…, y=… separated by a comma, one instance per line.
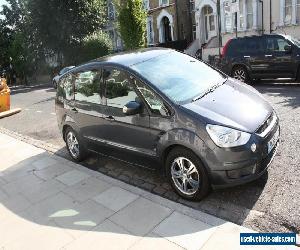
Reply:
x=273, y=141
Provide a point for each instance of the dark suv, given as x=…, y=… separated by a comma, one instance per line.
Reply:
x=261, y=57
x=162, y=109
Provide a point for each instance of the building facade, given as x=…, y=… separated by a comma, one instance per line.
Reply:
x=111, y=26
x=168, y=20
x=243, y=18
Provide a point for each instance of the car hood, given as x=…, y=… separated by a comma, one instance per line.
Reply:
x=233, y=104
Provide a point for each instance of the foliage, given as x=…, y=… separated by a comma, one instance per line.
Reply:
x=93, y=46
x=62, y=25
x=132, y=23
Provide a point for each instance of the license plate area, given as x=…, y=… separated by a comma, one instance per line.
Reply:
x=273, y=141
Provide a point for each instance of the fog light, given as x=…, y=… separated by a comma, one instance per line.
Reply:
x=253, y=147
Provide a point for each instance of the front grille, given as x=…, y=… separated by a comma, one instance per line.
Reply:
x=266, y=124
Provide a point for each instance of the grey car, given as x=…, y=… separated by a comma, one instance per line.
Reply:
x=57, y=77
x=161, y=109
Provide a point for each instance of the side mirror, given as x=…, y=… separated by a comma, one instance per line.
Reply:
x=288, y=48
x=132, y=108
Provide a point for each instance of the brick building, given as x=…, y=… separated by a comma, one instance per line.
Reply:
x=168, y=21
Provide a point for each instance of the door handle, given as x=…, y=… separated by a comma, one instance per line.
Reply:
x=268, y=55
x=110, y=118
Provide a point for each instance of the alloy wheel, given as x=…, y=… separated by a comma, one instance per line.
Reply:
x=185, y=176
x=240, y=74
x=73, y=145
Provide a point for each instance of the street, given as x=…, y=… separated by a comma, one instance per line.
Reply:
x=269, y=204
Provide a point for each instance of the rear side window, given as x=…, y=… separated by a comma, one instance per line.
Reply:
x=66, y=88
x=87, y=86
x=247, y=46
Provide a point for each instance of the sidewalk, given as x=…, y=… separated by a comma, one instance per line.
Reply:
x=47, y=202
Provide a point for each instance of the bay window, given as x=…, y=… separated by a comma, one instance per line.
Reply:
x=249, y=10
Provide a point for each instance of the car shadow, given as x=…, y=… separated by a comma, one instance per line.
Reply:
x=288, y=93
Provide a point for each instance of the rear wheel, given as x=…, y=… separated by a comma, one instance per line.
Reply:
x=74, y=145
x=240, y=73
x=187, y=174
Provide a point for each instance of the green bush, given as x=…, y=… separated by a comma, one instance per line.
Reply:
x=94, y=46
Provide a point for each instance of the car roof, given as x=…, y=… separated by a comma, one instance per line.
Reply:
x=257, y=36
x=133, y=57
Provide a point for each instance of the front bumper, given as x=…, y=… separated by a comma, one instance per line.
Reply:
x=247, y=170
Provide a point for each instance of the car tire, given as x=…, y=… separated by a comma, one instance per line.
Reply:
x=240, y=73
x=75, y=146
x=190, y=181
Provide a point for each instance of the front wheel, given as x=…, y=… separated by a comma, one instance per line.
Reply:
x=187, y=174
x=240, y=73
x=74, y=145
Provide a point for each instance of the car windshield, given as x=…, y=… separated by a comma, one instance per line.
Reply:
x=180, y=77
x=294, y=40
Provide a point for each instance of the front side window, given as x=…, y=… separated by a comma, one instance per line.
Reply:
x=179, y=76
x=249, y=8
x=87, y=86
x=65, y=87
x=276, y=44
x=118, y=88
x=156, y=104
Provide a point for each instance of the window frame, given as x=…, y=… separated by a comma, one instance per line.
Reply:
x=131, y=75
x=161, y=4
x=85, y=69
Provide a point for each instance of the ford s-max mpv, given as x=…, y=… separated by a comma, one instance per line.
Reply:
x=165, y=110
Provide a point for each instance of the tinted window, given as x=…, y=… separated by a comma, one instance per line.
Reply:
x=65, y=87
x=87, y=85
x=119, y=91
x=179, y=76
x=155, y=103
x=276, y=44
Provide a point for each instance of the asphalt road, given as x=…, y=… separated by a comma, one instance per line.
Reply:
x=270, y=204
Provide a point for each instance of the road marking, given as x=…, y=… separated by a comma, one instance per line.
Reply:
x=39, y=111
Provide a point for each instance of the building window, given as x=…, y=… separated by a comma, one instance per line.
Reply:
x=146, y=4
x=249, y=9
x=194, y=32
x=241, y=12
x=111, y=11
x=150, y=33
x=192, y=5
x=227, y=14
x=298, y=11
x=163, y=2
x=288, y=9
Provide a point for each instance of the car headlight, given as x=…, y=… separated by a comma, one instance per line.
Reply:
x=227, y=137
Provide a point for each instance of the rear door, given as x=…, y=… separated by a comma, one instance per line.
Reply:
x=281, y=62
x=253, y=53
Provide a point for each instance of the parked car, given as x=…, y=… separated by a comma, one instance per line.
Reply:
x=162, y=109
x=63, y=71
x=261, y=57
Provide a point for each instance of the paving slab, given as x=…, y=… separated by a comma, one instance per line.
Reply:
x=141, y=216
x=72, y=177
x=115, y=198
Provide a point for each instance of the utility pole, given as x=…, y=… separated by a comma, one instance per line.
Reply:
x=219, y=26
x=262, y=16
x=271, y=17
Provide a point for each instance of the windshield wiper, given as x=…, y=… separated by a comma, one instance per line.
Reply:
x=210, y=90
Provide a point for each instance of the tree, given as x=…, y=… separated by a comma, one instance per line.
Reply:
x=132, y=23
x=62, y=25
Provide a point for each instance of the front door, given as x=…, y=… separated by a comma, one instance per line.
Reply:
x=281, y=61
x=88, y=108
x=209, y=23
x=129, y=137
